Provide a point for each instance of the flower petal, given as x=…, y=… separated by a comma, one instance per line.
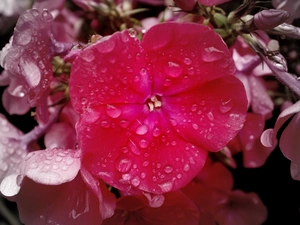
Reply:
x=177, y=62
x=51, y=166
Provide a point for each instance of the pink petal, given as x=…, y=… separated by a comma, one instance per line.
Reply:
x=240, y=208
x=14, y=105
x=200, y=118
x=178, y=64
x=12, y=150
x=289, y=140
x=60, y=135
x=51, y=166
x=254, y=153
x=69, y=203
x=101, y=82
x=261, y=102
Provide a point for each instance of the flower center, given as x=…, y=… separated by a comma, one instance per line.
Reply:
x=154, y=102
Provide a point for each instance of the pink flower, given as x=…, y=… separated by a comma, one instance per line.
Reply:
x=58, y=189
x=151, y=110
x=249, y=69
x=27, y=59
x=238, y=208
x=288, y=120
x=135, y=210
x=291, y=6
x=248, y=141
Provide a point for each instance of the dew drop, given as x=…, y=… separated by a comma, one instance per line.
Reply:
x=3, y=166
x=166, y=187
x=58, y=159
x=126, y=176
x=179, y=176
x=168, y=169
x=142, y=129
x=225, y=106
x=124, y=123
x=69, y=162
x=143, y=175
x=113, y=111
x=105, y=124
x=136, y=181
x=173, y=69
x=195, y=126
x=210, y=116
x=143, y=143
x=124, y=165
x=156, y=132
x=211, y=54
x=186, y=167
x=132, y=32
x=145, y=163
x=187, y=61
x=134, y=148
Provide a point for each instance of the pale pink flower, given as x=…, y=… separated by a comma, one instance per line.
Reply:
x=249, y=71
x=291, y=6
x=27, y=59
x=288, y=120
x=52, y=187
x=152, y=109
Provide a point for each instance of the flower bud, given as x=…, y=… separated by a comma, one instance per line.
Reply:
x=186, y=5
x=286, y=30
x=268, y=19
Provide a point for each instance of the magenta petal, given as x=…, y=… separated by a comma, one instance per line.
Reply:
x=254, y=153
x=69, y=203
x=96, y=80
x=51, y=166
x=211, y=118
x=177, y=63
x=177, y=209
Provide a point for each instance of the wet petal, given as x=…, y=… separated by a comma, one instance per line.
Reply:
x=211, y=118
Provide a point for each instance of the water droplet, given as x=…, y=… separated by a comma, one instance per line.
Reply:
x=211, y=54
x=156, y=132
x=225, y=106
x=168, y=169
x=173, y=143
x=58, y=159
x=143, y=175
x=194, y=108
x=144, y=143
x=113, y=111
x=145, y=163
x=142, y=129
x=136, y=181
x=166, y=187
x=124, y=165
x=210, y=116
x=179, y=176
x=124, y=123
x=187, y=61
x=134, y=148
x=105, y=124
x=195, y=126
x=173, y=69
x=186, y=167
x=69, y=162
x=126, y=176
x=3, y=166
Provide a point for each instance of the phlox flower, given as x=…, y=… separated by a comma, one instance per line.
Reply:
x=58, y=189
x=151, y=110
x=134, y=210
x=286, y=129
x=291, y=6
x=27, y=60
x=211, y=190
x=248, y=142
